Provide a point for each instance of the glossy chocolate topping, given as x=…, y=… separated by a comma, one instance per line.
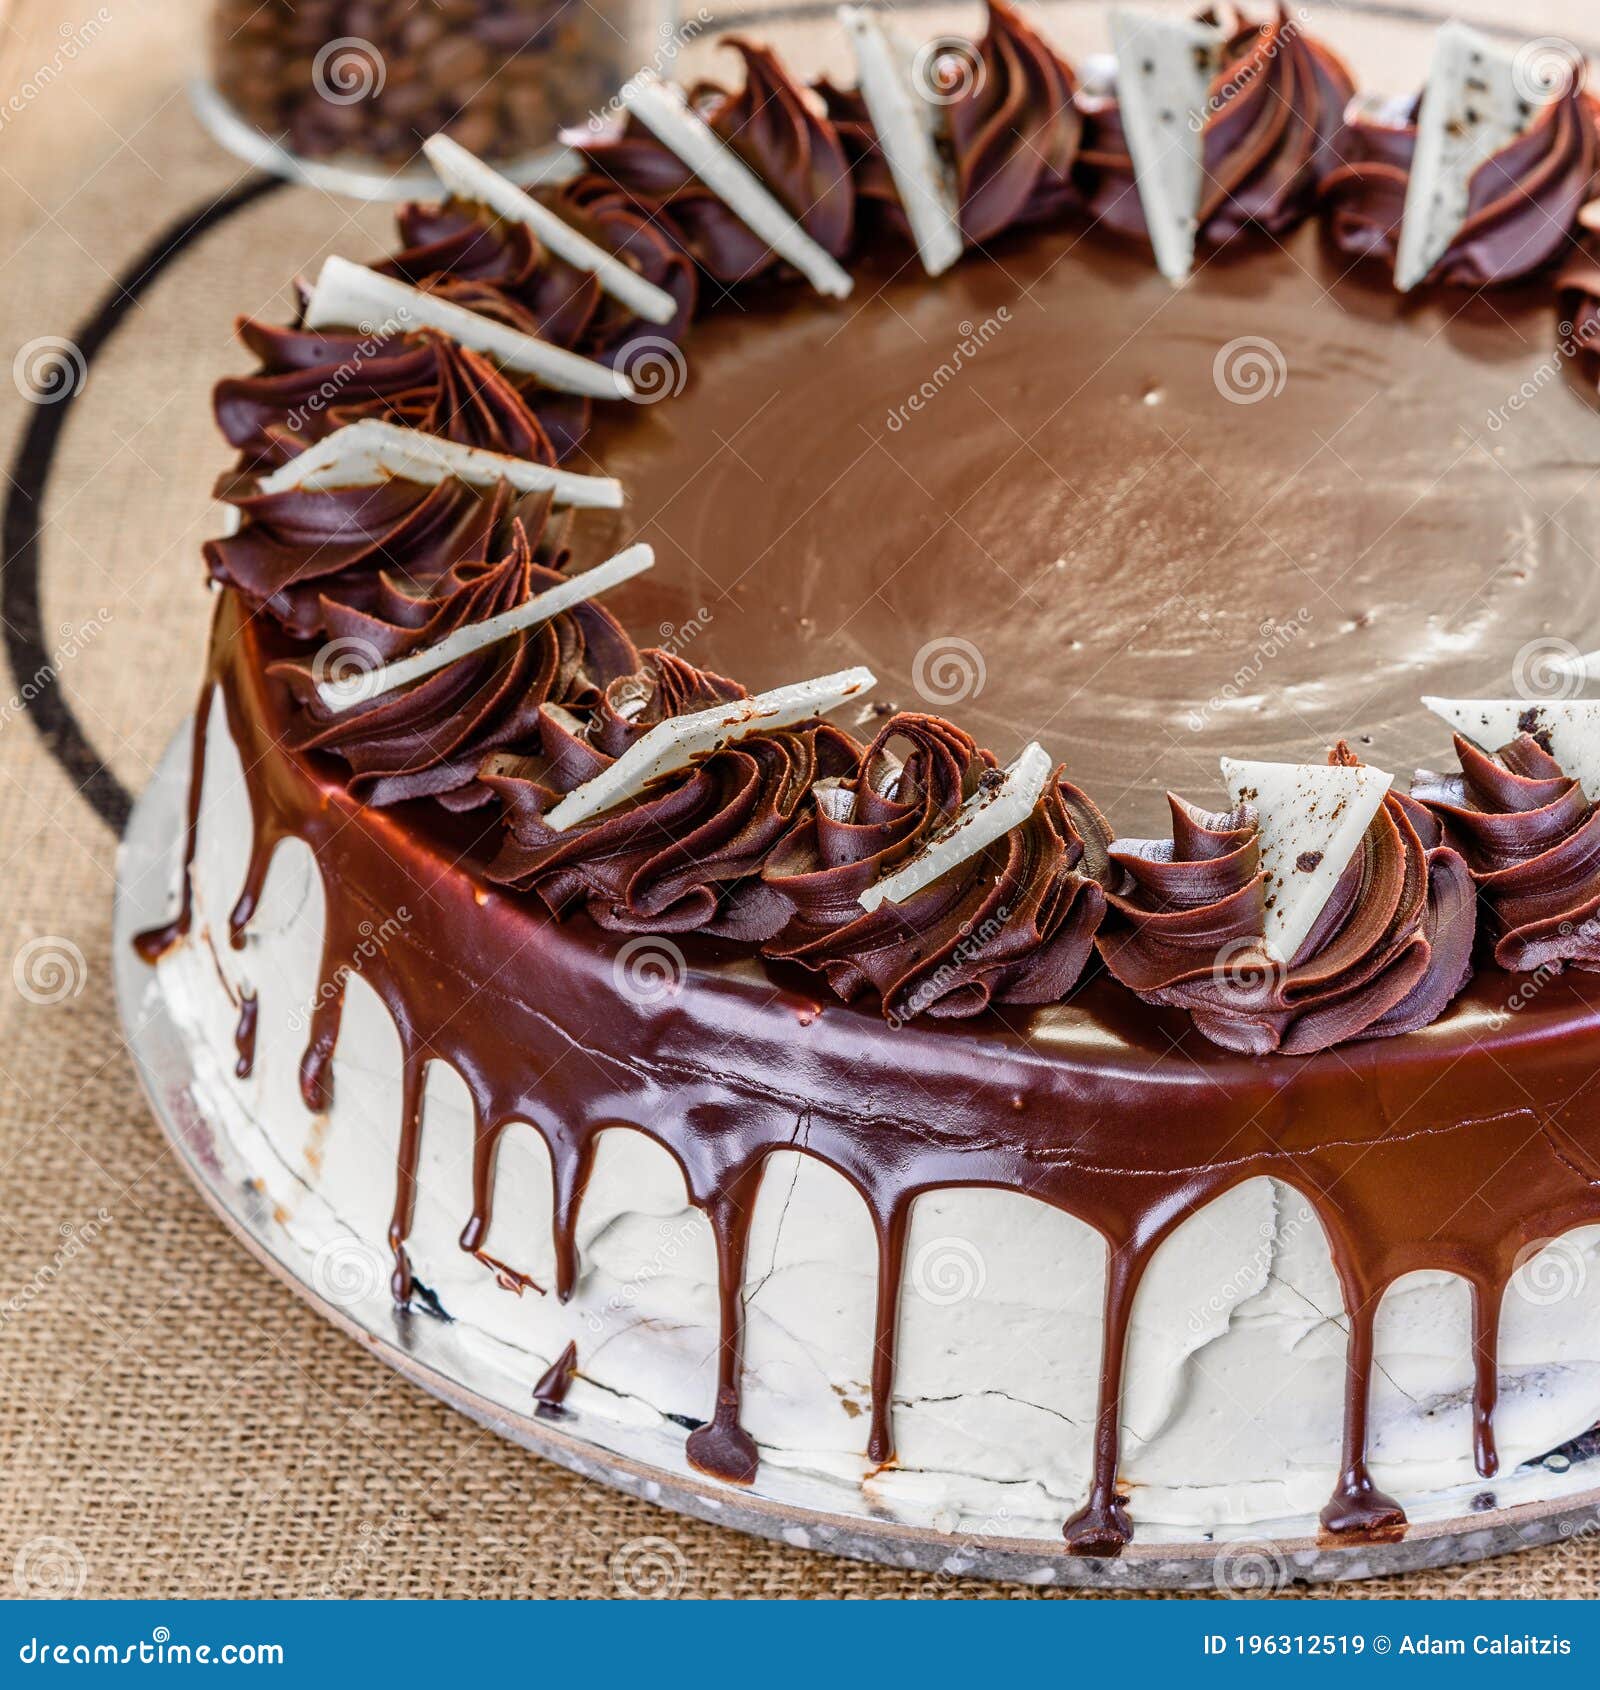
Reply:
x=1029, y=499
x=1532, y=841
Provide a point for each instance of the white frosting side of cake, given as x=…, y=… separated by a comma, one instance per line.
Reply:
x=1235, y=1375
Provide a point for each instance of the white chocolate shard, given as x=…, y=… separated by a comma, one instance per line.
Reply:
x=369, y=451
x=469, y=178
x=1312, y=817
x=1471, y=108
x=989, y=814
x=676, y=742
x=662, y=109
x=351, y=690
x=907, y=125
x=1165, y=67
x=1568, y=728
x=350, y=295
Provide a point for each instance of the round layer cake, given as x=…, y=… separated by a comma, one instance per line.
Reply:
x=984, y=1204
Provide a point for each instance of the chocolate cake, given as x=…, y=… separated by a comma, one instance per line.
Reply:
x=831, y=1091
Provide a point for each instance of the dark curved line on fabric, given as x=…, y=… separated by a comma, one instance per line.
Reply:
x=32, y=664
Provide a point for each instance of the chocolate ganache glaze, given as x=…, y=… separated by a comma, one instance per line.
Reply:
x=1522, y=204
x=1056, y=543
x=1392, y=946
x=1532, y=840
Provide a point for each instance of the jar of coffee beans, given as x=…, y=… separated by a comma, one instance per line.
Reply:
x=367, y=81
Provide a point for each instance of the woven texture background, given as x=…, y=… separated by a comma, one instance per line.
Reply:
x=175, y=1421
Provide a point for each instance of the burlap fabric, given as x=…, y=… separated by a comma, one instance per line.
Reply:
x=175, y=1422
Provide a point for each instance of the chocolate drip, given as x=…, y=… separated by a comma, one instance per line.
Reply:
x=555, y=1382
x=1102, y=1527
x=1357, y=1505
x=722, y=1447
x=244, y=1035
x=155, y=942
x=891, y=1230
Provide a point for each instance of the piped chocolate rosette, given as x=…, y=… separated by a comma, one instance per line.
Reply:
x=685, y=854
x=777, y=127
x=1271, y=125
x=1531, y=838
x=1189, y=922
x=1521, y=202
x=1012, y=923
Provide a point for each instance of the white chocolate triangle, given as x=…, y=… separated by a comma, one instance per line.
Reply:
x=1470, y=109
x=369, y=451
x=676, y=742
x=475, y=636
x=350, y=295
x=1312, y=817
x=1569, y=728
x=1165, y=67
x=469, y=178
x=665, y=113
x=989, y=814
x=907, y=124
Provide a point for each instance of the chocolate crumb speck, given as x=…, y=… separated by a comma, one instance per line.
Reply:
x=1307, y=861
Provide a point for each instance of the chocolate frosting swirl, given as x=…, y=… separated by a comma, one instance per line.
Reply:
x=1013, y=924
x=683, y=856
x=779, y=129
x=1014, y=130
x=1275, y=126
x=464, y=251
x=312, y=382
x=296, y=549
x=1522, y=204
x=427, y=740
x=1532, y=841
x=1391, y=948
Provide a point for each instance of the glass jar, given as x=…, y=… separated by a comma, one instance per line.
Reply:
x=358, y=85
